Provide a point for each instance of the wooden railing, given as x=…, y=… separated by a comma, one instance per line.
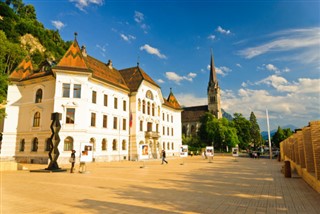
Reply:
x=302, y=149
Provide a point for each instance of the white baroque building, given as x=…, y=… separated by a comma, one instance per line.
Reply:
x=114, y=110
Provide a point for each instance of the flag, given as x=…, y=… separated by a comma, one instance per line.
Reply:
x=130, y=120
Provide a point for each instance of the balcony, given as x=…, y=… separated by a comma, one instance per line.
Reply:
x=151, y=134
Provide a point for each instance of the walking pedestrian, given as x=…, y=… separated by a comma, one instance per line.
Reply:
x=72, y=160
x=164, y=157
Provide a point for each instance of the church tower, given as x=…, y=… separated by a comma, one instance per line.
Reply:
x=213, y=92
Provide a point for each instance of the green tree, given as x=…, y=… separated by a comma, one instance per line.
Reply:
x=219, y=132
x=278, y=137
x=254, y=131
x=242, y=126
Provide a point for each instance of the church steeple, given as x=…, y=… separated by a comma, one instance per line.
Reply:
x=213, y=74
x=214, y=91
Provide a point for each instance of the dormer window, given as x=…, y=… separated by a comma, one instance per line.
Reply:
x=38, y=96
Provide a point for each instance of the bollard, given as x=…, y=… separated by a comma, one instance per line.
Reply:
x=287, y=169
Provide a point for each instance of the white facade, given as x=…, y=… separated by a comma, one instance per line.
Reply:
x=92, y=111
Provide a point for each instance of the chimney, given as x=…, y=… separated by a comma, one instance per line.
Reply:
x=109, y=64
x=84, y=51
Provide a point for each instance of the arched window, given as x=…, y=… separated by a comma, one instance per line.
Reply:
x=34, y=146
x=38, y=96
x=68, y=144
x=148, y=110
x=93, y=142
x=48, y=144
x=124, y=145
x=143, y=106
x=139, y=105
x=114, y=145
x=172, y=146
x=163, y=145
x=168, y=146
x=104, y=145
x=153, y=109
x=36, y=119
x=22, y=145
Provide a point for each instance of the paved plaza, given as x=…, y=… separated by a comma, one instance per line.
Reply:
x=191, y=185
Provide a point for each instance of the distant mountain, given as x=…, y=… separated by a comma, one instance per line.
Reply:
x=226, y=115
x=265, y=133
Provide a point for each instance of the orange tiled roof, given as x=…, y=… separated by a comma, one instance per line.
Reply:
x=73, y=57
x=172, y=101
x=134, y=76
x=105, y=73
x=23, y=70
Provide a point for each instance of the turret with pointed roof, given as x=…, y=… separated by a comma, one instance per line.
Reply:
x=214, y=91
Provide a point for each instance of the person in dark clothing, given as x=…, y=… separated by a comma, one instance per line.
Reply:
x=72, y=160
x=164, y=157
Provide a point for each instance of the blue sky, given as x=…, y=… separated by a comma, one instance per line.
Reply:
x=267, y=53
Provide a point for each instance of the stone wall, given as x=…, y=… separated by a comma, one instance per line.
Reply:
x=302, y=149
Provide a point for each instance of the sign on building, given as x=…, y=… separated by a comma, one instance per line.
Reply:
x=209, y=151
x=86, y=154
x=184, y=151
x=144, y=151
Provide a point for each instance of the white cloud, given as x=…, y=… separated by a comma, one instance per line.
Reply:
x=81, y=4
x=58, y=24
x=279, y=83
x=160, y=81
x=273, y=68
x=223, y=31
x=211, y=37
x=298, y=103
x=191, y=100
x=177, y=78
x=304, y=40
x=152, y=50
x=238, y=65
x=222, y=70
x=139, y=19
x=102, y=49
x=127, y=38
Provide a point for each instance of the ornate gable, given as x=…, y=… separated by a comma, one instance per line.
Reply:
x=73, y=57
x=23, y=70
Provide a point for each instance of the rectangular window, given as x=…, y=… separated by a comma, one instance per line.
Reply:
x=115, y=103
x=163, y=130
x=65, y=90
x=149, y=127
x=124, y=124
x=163, y=116
x=171, y=119
x=105, y=100
x=77, y=91
x=124, y=105
x=157, y=127
x=105, y=121
x=70, y=115
x=94, y=97
x=93, y=119
x=168, y=131
x=115, y=123
x=141, y=125
x=171, y=131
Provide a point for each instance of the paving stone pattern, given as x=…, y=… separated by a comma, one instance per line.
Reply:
x=191, y=185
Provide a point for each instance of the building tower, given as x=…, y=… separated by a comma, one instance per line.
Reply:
x=213, y=92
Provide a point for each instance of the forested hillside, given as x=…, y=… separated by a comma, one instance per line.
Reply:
x=21, y=34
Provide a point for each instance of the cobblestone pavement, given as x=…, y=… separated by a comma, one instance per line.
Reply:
x=191, y=185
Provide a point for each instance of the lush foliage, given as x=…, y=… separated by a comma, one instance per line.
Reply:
x=255, y=131
x=280, y=135
x=217, y=132
x=17, y=20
